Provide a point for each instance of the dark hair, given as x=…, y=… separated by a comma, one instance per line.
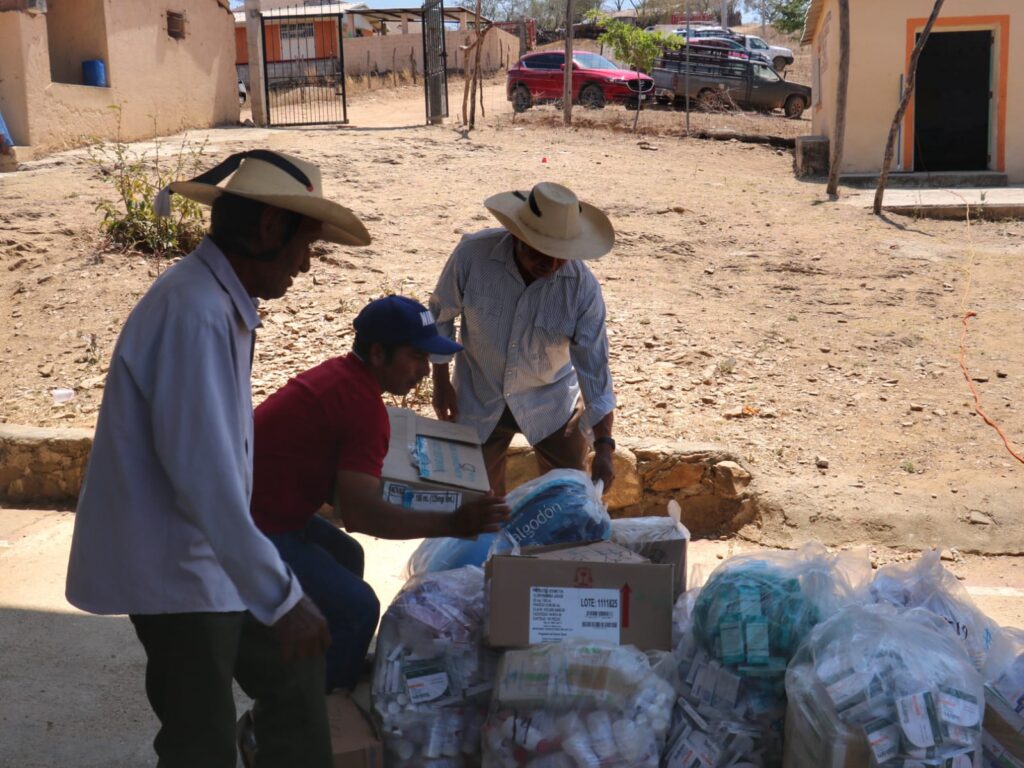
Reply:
x=233, y=226
x=362, y=346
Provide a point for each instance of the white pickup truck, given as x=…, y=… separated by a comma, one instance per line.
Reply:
x=780, y=57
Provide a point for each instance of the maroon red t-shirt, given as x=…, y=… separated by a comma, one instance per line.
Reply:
x=331, y=417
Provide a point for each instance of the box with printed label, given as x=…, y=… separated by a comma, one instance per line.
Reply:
x=432, y=466
x=354, y=743
x=593, y=591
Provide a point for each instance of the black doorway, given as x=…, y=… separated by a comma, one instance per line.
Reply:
x=951, y=103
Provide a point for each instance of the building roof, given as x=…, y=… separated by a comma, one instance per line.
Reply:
x=360, y=11
x=811, y=20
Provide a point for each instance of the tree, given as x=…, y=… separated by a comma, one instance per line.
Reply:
x=908, y=92
x=785, y=15
x=632, y=46
x=842, y=87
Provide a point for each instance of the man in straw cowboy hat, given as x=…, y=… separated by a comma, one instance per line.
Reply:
x=163, y=530
x=533, y=327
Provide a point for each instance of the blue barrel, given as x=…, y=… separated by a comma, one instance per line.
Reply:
x=94, y=72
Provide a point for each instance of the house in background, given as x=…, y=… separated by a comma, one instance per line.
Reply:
x=163, y=66
x=967, y=114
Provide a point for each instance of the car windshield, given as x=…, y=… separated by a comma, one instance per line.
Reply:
x=593, y=61
x=757, y=43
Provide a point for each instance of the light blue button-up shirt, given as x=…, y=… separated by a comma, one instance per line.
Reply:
x=533, y=347
x=163, y=523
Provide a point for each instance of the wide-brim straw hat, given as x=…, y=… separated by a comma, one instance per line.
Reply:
x=279, y=180
x=551, y=219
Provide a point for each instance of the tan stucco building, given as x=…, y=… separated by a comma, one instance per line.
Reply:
x=968, y=109
x=168, y=67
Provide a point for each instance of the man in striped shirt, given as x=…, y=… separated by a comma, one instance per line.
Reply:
x=533, y=328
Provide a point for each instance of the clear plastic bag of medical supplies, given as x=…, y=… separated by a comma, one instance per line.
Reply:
x=432, y=678
x=876, y=685
x=578, y=704
x=925, y=583
x=733, y=639
x=561, y=506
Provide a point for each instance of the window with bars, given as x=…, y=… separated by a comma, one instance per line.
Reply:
x=176, y=25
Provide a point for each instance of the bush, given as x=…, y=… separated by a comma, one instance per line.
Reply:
x=129, y=222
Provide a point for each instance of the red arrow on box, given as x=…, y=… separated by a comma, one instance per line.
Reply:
x=625, y=592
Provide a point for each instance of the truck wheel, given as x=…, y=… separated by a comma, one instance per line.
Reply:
x=795, y=106
x=779, y=62
x=592, y=97
x=521, y=99
x=706, y=100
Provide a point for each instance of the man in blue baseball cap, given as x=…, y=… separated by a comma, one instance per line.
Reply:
x=321, y=439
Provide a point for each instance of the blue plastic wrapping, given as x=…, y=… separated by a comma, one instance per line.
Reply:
x=562, y=506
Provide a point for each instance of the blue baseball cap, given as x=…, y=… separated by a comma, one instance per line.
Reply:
x=398, y=321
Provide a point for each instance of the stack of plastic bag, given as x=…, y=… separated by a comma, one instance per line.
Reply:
x=1003, y=736
x=432, y=679
x=926, y=584
x=873, y=685
x=577, y=705
x=735, y=643
x=562, y=506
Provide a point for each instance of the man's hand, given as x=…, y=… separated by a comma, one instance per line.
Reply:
x=302, y=631
x=484, y=515
x=444, y=401
x=601, y=468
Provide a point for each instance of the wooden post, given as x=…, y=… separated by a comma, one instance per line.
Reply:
x=841, y=90
x=908, y=92
x=412, y=64
x=254, y=46
x=567, y=75
x=394, y=67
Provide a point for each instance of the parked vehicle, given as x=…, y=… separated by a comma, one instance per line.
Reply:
x=596, y=81
x=776, y=55
x=713, y=74
x=705, y=32
x=735, y=48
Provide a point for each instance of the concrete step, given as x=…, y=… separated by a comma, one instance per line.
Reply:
x=17, y=156
x=954, y=179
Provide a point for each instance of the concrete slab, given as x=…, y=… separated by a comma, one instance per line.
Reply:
x=946, y=203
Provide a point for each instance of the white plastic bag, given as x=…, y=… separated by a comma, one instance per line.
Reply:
x=924, y=583
x=432, y=678
x=874, y=685
x=572, y=704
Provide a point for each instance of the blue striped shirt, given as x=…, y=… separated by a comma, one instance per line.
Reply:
x=534, y=348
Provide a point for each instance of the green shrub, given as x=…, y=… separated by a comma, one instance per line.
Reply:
x=130, y=222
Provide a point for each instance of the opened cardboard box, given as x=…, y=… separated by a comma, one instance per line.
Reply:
x=354, y=741
x=432, y=466
x=591, y=591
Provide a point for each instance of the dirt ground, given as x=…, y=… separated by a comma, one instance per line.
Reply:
x=818, y=342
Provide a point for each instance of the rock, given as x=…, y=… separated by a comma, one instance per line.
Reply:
x=730, y=479
x=980, y=379
x=734, y=413
x=709, y=399
x=916, y=407
x=1001, y=374
x=678, y=476
x=769, y=413
x=46, y=370
x=977, y=518
x=947, y=556
x=821, y=462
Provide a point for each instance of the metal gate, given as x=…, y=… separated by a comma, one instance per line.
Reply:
x=304, y=65
x=435, y=61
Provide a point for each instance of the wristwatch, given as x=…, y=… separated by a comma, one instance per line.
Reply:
x=605, y=441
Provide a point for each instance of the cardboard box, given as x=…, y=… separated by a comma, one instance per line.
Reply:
x=624, y=532
x=1004, y=731
x=354, y=741
x=594, y=591
x=432, y=466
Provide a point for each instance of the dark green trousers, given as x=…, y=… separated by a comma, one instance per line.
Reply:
x=192, y=659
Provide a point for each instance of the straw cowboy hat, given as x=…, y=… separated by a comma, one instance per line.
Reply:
x=552, y=220
x=276, y=179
